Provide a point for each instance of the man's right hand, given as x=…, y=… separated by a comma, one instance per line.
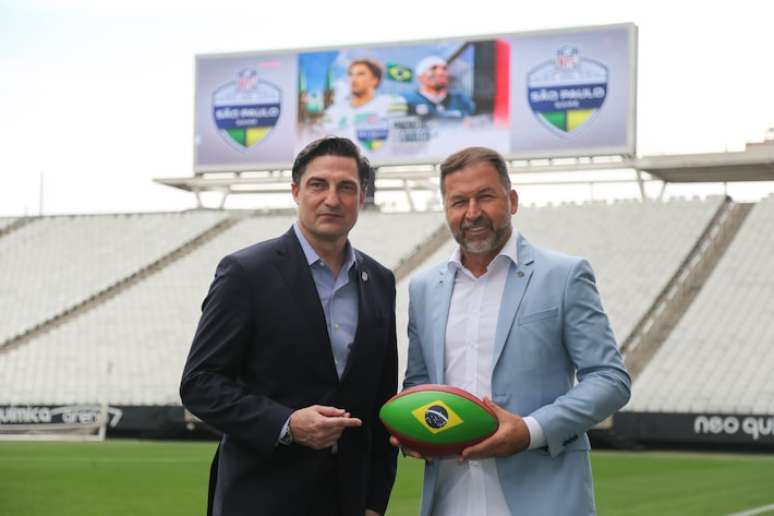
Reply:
x=408, y=451
x=320, y=427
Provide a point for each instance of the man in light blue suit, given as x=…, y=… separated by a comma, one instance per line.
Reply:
x=515, y=324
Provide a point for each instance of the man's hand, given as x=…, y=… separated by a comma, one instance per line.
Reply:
x=408, y=451
x=320, y=427
x=512, y=436
x=369, y=512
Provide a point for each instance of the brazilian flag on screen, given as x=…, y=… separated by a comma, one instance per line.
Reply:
x=399, y=73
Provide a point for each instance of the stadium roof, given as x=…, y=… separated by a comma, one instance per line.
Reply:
x=755, y=163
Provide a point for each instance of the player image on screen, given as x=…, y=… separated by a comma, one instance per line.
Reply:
x=364, y=113
x=433, y=99
x=399, y=103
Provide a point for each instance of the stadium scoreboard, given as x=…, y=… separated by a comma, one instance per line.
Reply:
x=568, y=92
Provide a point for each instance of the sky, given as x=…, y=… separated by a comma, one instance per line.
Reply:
x=97, y=97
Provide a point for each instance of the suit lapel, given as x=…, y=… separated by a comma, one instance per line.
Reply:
x=515, y=287
x=295, y=272
x=442, y=291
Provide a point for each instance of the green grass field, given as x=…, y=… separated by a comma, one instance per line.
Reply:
x=122, y=478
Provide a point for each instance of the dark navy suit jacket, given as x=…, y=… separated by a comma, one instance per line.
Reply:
x=261, y=351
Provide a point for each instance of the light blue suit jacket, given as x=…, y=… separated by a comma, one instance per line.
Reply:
x=551, y=327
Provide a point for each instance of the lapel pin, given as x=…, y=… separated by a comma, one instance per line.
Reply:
x=520, y=274
x=364, y=276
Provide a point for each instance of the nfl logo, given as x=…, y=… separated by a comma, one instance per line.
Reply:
x=248, y=80
x=246, y=109
x=567, y=58
x=568, y=91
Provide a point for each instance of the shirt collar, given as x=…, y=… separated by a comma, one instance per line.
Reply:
x=311, y=255
x=508, y=251
x=435, y=99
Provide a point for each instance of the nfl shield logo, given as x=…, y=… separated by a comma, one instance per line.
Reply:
x=566, y=92
x=247, y=109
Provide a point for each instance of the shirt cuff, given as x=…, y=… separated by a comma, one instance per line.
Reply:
x=284, y=436
x=537, y=438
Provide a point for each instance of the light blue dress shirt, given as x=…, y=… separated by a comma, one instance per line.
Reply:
x=338, y=296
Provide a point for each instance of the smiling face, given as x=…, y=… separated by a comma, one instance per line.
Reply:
x=329, y=198
x=478, y=209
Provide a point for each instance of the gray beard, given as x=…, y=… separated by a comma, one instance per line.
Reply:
x=492, y=243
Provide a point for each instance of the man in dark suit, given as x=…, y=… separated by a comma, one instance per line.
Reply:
x=294, y=355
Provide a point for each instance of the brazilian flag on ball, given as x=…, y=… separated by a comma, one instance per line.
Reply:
x=437, y=417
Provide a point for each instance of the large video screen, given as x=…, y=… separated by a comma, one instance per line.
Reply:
x=545, y=94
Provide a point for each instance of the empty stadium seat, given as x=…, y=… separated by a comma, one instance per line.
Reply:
x=633, y=247
x=130, y=349
x=6, y=221
x=720, y=356
x=56, y=262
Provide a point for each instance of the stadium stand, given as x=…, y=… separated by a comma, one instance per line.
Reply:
x=130, y=349
x=402, y=301
x=392, y=237
x=127, y=348
x=670, y=305
x=6, y=221
x=64, y=260
x=10, y=224
x=719, y=357
x=634, y=247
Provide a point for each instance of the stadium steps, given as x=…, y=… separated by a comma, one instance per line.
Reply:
x=676, y=297
x=119, y=286
x=16, y=224
x=422, y=252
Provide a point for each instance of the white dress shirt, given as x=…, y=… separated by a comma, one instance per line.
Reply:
x=473, y=488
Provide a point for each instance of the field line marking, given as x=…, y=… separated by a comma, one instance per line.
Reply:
x=756, y=510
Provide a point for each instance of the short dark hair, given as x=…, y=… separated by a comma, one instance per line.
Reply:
x=471, y=156
x=331, y=146
x=373, y=66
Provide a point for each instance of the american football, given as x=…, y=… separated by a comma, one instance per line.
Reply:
x=437, y=420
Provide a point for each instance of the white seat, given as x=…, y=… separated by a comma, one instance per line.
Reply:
x=56, y=262
x=726, y=333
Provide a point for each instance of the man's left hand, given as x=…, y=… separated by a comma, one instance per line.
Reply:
x=512, y=436
x=369, y=512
